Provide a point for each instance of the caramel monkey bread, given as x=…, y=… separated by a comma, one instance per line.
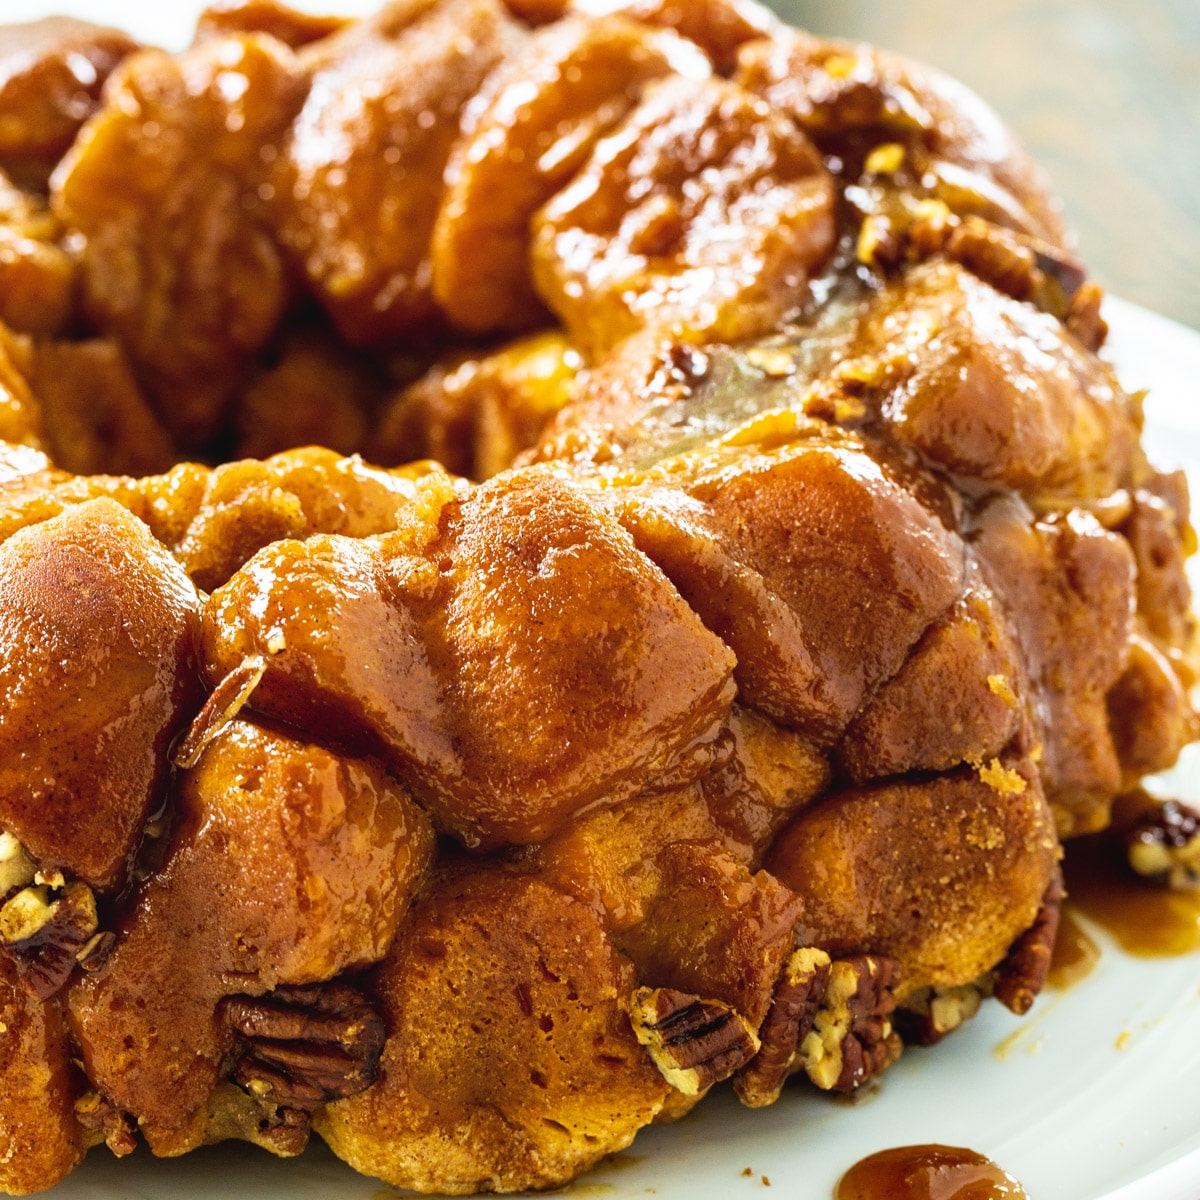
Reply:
x=547, y=561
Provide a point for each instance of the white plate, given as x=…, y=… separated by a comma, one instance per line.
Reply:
x=1096, y=1094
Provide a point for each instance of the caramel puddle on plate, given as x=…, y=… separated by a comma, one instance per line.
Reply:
x=1075, y=953
x=927, y=1173
x=1147, y=921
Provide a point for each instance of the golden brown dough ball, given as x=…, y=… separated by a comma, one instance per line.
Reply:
x=547, y=107
x=40, y=1140
x=941, y=875
x=52, y=73
x=703, y=212
x=359, y=180
x=417, y=643
x=97, y=644
x=510, y=1061
x=165, y=183
x=286, y=865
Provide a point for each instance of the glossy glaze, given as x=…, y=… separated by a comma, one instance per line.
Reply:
x=927, y=1173
x=1075, y=953
x=1146, y=919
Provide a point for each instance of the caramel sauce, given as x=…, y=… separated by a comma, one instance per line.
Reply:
x=927, y=1173
x=1147, y=921
x=1075, y=954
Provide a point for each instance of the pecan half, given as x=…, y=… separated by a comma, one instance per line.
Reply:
x=46, y=930
x=1017, y=264
x=794, y=1006
x=694, y=1043
x=933, y=1012
x=1021, y=976
x=997, y=256
x=852, y=1038
x=306, y=1046
x=1163, y=844
x=224, y=703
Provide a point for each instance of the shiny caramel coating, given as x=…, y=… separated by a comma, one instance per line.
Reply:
x=955, y=700
x=510, y=1061
x=474, y=413
x=547, y=106
x=941, y=875
x=718, y=27
x=51, y=75
x=761, y=542
x=317, y=394
x=286, y=865
x=816, y=585
x=1060, y=582
x=845, y=94
x=644, y=235
x=679, y=898
x=37, y=276
x=40, y=1141
x=286, y=24
x=95, y=608
x=989, y=388
x=359, y=180
x=414, y=641
x=95, y=418
x=179, y=262
x=20, y=410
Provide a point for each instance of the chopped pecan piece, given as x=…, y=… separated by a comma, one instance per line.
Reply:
x=102, y=1120
x=852, y=1038
x=17, y=869
x=1163, y=844
x=1017, y=264
x=1084, y=319
x=45, y=933
x=224, y=703
x=933, y=1012
x=1022, y=974
x=997, y=256
x=694, y=1043
x=798, y=996
x=305, y=1046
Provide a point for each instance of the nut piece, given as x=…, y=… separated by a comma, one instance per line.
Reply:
x=103, y=1121
x=306, y=1046
x=46, y=933
x=852, y=1039
x=933, y=1012
x=224, y=703
x=798, y=996
x=1164, y=845
x=17, y=869
x=694, y=1043
x=1022, y=974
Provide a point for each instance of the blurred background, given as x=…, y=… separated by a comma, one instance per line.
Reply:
x=1106, y=93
